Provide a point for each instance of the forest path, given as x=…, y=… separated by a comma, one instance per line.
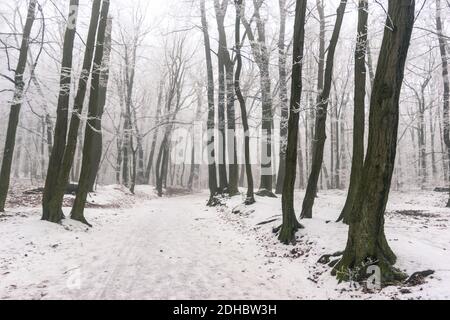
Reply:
x=169, y=248
x=177, y=248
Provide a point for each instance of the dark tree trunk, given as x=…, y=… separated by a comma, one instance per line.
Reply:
x=321, y=118
x=301, y=176
x=367, y=244
x=250, y=199
x=283, y=92
x=155, y=136
x=93, y=125
x=290, y=224
x=233, y=168
x=446, y=80
x=103, y=88
x=432, y=143
x=19, y=87
x=53, y=211
x=212, y=175
x=359, y=110
x=223, y=56
x=261, y=55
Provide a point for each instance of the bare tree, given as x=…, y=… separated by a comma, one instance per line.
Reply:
x=367, y=245
x=212, y=175
x=359, y=109
x=250, y=199
x=446, y=80
x=321, y=117
x=93, y=125
x=52, y=209
x=290, y=224
x=19, y=88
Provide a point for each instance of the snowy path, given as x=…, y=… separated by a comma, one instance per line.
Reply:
x=175, y=248
x=163, y=249
x=180, y=251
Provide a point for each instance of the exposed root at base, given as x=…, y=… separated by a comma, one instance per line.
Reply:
x=82, y=220
x=379, y=270
x=266, y=193
x=249, y=201
x=287, y=233
x=326, y=258
x=214, y=201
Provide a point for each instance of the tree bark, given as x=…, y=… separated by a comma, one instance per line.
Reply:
x=359, y=110
x=446, y=81
x=222, y=56
x=367, y=244
x=321, y=117
x=93, y=125
x=261, y=54
x=290, y=224
x=283, y=94
x=53, y=210
x=19, y=87
x=103, y=88
x=250, y=199
x=212, y=175
x=155, y=136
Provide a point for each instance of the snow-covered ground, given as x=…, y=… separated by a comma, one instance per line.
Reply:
x=143, y=247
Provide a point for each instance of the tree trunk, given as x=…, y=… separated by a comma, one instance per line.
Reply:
x=261, y=55
x=19, y=87
x=53, y=210
x=103, y=87
x=222, y=56
x=367, y=244
x=321, y=118
x=290, y=224
x=93, y=125
x=212, y=175
x=250, y=199
x=359, y=110
x=446, y=81
x=283, y=93
x=155, y=136
x=301, y=169
x=432, y=144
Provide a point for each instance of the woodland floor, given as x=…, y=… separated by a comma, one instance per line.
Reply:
x=142, y=247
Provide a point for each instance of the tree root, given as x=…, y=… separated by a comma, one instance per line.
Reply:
x=267, y=222
x=347, y=270
x=287, y=232
x=266, y=193
x=326, y=258
x=214, y=201
x=249, y=201
x=418, y=278
x=82, y=220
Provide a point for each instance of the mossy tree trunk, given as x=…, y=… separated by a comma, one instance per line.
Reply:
x=359, y=109
x=321, y=118
x=19, y=88
x=53, y=209
x=367, y=244
x=290, y=224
